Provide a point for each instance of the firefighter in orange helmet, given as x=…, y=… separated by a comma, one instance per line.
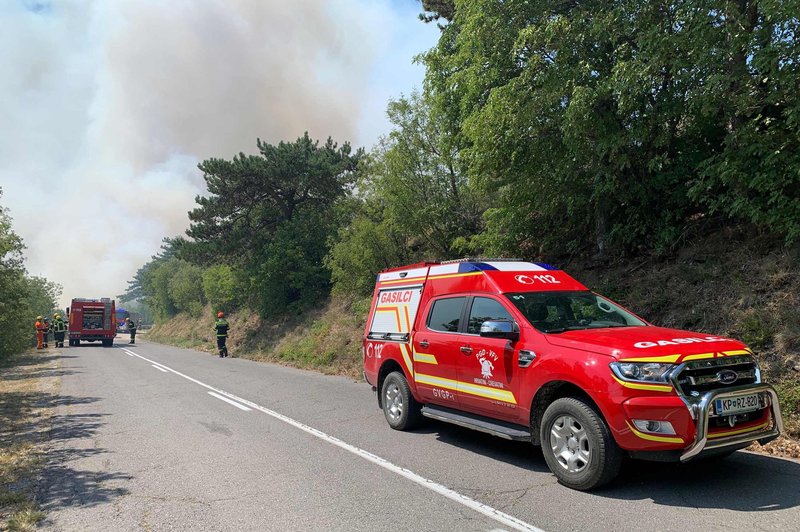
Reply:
x=40, y=328
x=221, y=326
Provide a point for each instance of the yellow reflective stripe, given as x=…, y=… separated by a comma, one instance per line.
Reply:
x=738, y=352
x=698, y=357
x=662, y=439
x=468, y=388
x=404, y=350
x=638, y=386
x=425, y=358
x=400, y=281
x=665, y=358
x=735, y=432
x=449, y=275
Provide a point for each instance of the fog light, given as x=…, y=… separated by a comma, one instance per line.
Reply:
x=654, y=427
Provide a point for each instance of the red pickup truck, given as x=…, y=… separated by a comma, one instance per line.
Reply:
x=525, y=352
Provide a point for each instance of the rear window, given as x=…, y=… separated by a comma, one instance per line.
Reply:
x=446, y=314
x=395, y=312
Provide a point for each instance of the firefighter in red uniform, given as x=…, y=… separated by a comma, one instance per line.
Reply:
x=39, y=332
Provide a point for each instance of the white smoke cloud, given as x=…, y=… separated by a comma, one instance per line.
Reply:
x=107, y=107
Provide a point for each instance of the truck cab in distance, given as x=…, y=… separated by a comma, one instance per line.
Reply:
x=525, y=352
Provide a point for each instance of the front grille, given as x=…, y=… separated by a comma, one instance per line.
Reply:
x=700, y=376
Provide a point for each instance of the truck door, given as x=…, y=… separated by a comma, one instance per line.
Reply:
x=436, y=351
x=487, y=366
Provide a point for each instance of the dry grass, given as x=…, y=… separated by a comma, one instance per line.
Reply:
x=327, y=339
x=24, y=380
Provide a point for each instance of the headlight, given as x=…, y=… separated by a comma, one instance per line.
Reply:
x=641, y=371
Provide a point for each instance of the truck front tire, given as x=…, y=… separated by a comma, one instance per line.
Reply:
x=577, y=445
x=400, y=408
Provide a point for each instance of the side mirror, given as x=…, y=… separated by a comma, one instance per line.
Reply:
x=500, y=329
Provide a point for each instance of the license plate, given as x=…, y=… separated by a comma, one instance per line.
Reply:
x=738, y=405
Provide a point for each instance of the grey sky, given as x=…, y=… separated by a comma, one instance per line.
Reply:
x=106, y=108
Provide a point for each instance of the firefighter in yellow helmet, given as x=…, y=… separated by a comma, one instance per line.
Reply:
x=59, y=330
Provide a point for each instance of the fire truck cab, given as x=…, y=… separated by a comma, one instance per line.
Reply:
x=525, y=352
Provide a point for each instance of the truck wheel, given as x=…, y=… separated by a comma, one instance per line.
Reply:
x=577, y=445
x=108, y=343
x=399, y=406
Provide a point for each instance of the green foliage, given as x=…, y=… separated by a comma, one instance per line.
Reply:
x=22, y=298
x=138, y=286
x=156, y=287
x=416, y=201
x=271, y=216
x=219, y=286
x=185, y=288
x=609, y=125
x=15, y=321
x=437, y=9
x=41, y=296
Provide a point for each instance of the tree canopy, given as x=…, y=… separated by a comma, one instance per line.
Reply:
x=621, y=121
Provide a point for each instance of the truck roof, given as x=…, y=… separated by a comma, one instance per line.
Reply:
x=485, y=275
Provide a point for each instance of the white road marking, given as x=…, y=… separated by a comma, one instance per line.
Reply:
x=159, y=368
x=488, y=511
x=234, y=403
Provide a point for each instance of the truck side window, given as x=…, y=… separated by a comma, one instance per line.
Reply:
x=446, y=314
x=485, y=309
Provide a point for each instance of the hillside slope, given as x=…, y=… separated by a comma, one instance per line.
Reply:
x=729, y=283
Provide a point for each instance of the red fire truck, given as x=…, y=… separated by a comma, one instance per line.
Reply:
x=91, y=320
x=525, y=352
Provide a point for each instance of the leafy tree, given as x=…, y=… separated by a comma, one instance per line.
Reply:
x=219, y=286
x=137, y=286
x=157, y=289
x=369, y=243
x=750, y=65
x=42, y=296
x=185, y=288
x=415, y=201
x=21, y=297
x=15, y=321
x=617, y=122
x=271, y=216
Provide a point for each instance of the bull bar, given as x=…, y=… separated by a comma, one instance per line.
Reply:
x=700, y=408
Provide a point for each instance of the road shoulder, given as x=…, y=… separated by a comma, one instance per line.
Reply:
x=29, y=390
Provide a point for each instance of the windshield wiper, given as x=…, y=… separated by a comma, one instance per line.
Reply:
x=556, y=330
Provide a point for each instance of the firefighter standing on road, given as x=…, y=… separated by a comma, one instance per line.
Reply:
x=39, y=332
x=221, y=327
x=46, y=331
x=59, y=328
x=132, y=329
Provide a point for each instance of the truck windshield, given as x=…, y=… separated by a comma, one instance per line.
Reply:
x=557, y=312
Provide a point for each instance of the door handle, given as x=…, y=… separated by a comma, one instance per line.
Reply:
x=424, y=343
x=467, y=350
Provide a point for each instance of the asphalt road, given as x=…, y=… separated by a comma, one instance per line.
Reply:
x=161, y=438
